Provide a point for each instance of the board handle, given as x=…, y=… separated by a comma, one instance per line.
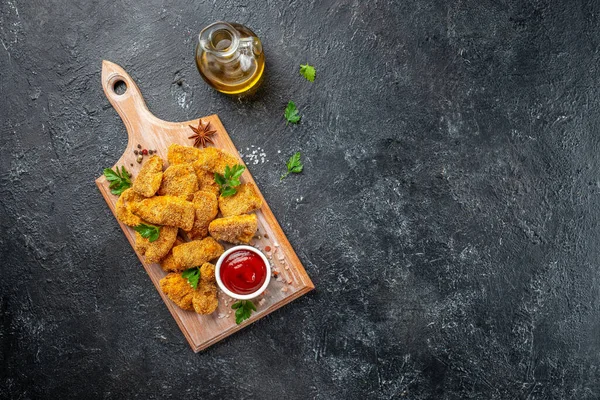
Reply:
x=124, y=95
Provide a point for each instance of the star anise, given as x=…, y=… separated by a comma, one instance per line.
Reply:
x=202, y=134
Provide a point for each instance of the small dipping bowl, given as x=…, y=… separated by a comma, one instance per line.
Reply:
x=224, y=288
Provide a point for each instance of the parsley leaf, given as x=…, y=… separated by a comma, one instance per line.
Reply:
x=192, y=275
x=293, y=165
x=119, y=180
x=243, y=310
x=291, y=113
x=308, y=71
x=149, y=232
x=230, y=180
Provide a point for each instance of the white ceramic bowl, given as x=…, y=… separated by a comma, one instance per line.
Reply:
x=242, y=296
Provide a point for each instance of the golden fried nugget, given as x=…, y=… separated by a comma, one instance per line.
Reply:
x=197, y=252
x=214, y=160
x=245, y=201
x=123, y=209
x=206, y=182
x=141, y=245
x=157, y=250
x=166, y=210
x=178, y=290
x=205, y=299
x=236, y=229
x=205, y=204
x=207, y=272
x=149, y=178
x=178, y=154
x=168, y=264
x=179, y=180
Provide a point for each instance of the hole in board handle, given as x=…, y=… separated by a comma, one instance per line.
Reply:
x=119, y=87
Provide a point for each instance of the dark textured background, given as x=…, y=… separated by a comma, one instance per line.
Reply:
x=448, y=211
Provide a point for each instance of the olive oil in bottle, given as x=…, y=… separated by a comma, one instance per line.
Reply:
x=230, y=58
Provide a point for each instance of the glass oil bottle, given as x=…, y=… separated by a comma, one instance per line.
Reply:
x=230, y=58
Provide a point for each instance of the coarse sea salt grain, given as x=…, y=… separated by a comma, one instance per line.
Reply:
x=254, y=155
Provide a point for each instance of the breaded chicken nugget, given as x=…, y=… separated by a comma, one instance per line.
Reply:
x=205, y=299
x=179, y=180
x=149, y=178
x=157, y=250
x=206, y=182
x=178, y=290
x=205, y=204
x=178, y=154
x=245, y=201
x=236, y=229
x=197, y=252
x=141, y=245
x=213, y=160
x=207, y=272
x=166, y=210
x=123, y=209
x=168, y=263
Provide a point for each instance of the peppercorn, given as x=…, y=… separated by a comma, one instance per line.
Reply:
x=139, y=146
x=139, y=158
x=131, y=165
x=145, y=152
x=135, y=152
x=150, y=152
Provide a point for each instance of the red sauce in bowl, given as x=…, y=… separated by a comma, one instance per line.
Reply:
x=243, y=272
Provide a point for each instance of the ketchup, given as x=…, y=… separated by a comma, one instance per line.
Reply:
x=243, y=272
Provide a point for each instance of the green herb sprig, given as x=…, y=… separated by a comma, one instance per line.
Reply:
x=293, y=165
x=243, y=310
x=228, y=182
x=119, y=180
x=291, y=113
x=192, y=275
x=149, y=232
x=308, y=71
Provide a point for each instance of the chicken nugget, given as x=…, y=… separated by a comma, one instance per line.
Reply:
x=178, y=154
x=149, y=178
x=157, y=250
x=206, y=182
x=245, y=201
x=166, y=210
x=178, y=289
x=123, y=209
x=179, y=180
x=207, y=272
x=197, y=252
x=237, y=229
x=141, y=245
x=168, y=264
x=213, y=160
x=205, y=300
x=205, y=204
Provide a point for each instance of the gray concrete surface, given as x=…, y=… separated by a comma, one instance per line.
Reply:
x=448, y=210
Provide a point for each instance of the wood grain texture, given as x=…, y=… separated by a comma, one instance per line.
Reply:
x=144, y=128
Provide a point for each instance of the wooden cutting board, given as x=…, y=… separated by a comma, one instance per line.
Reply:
x=145, y=129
